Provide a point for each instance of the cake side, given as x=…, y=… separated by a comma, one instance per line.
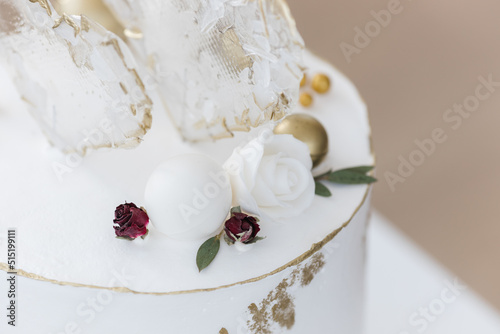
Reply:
x=322, y=294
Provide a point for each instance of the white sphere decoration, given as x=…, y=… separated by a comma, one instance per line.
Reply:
x=188, y=197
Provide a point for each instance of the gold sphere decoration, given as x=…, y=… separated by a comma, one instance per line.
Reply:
x=305, y=99
x=308, y=130
x=321, y=83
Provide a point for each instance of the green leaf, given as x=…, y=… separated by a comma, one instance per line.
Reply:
x=323, y=176
x=345, y=176
x=322, y=190
x=236, y=209
x=228, y=240
x=145, y=235
x=359, y=169
x=207, y=252
x=255, y=240
x=124, y=238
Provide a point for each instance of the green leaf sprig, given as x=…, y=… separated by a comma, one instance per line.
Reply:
x=353, y=175
x=207, y=252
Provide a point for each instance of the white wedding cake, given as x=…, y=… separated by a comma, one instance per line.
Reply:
x=207, y=175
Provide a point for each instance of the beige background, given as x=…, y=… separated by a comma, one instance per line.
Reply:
x=426, y=60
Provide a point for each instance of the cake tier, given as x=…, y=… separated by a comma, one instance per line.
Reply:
x=64, y=217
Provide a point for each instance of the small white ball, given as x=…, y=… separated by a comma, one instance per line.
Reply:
x=188, y=197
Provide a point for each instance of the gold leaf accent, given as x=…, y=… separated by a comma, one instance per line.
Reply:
x=147, y=119
x=284, y=311
x=223, y=331
x=134, y=33
x=310, y=270
x=261, y=7
x=232, y=51
x=278, y=307
x=44, y=4
x=95, y=9
x=124, y=89
x=69, y=21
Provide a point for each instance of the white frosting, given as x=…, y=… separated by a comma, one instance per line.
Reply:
x=271, y=175
x=65, y=228
x=331, y=303
x=188, y=197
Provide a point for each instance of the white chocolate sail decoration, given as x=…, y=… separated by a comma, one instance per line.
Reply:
x=221, y=65
x=79, y=79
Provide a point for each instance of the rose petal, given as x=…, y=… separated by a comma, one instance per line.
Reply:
x=303, y=178
x=274, y=178
x=295, y=207
x=282, y=185
x=289, y=146
x=247, y=235
x=263, y=195
x=131, y=222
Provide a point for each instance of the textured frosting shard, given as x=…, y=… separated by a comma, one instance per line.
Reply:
x=221, y=65
x=79, y=79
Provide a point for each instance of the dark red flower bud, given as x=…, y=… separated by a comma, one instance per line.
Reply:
x=241, y=227
x=131, y=221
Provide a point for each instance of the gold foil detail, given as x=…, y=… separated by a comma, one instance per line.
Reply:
x=261, y=6
x=84, y=23
x=44, y=4
x=124, y=89
x=311, y=269
x=260, y=319
x=134, y=33
x=284, y=312
x=278, y=308
x=69, y=21
x=147, y=119
x=95, y=9
x=232, y=51
x=223, y=331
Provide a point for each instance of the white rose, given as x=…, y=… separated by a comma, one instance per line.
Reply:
x=272, y=176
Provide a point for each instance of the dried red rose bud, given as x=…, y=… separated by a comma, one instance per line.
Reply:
x=131, y=221
x=241, y=227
